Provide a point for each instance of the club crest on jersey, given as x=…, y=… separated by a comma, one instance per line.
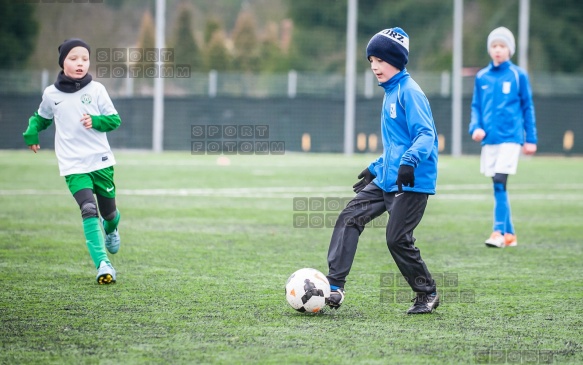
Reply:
x=86, y=99
x=506, y=87
x=393, y=110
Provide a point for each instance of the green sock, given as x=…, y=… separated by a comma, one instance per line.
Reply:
x=110, y=226
x=95, y=240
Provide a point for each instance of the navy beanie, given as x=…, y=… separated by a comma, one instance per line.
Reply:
x=390, y=45
x=68, y=45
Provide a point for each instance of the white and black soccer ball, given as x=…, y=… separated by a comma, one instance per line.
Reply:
x=306, y=290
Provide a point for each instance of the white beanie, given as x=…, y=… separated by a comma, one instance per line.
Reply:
x=502, y=34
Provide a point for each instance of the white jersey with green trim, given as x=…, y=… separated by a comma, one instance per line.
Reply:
x=79, y=150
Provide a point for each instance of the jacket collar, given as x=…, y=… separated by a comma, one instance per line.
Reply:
x=389, y=84
x=501, y=67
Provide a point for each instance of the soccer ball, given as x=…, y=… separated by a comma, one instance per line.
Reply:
x=306, y=290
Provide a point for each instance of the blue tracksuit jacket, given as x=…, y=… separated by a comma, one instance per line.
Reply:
x=502, y=105
x=409, y=136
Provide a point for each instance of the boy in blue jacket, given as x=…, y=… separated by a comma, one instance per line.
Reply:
x=398, y=182
x=502, y=120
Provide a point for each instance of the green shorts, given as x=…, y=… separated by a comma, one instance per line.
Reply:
x=100, y=182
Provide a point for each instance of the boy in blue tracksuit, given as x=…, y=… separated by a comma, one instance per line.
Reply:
x=402, y=178
x=502, y=120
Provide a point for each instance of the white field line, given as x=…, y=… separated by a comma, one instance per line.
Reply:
x=474, y=192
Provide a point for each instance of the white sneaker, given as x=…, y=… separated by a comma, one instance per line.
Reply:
x=112, y=240
x=496, y=240
x=510, y=240
x=105, y=273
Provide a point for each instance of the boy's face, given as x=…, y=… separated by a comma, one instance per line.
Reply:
x=499, y=52
x=382, y=70
x=76, y=64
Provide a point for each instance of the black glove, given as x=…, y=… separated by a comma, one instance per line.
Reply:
x=366, y=177
x=405, y=176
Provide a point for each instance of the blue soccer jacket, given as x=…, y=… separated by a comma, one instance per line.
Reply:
x=409, y=136
x=502, y=105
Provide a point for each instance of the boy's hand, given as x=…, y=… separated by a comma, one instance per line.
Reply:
x=478, y=135
x=405, y=176
x=87, y=122
x=367, y=177
x=529, y=148
x=34, y=147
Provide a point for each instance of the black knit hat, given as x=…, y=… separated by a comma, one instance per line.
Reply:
x=68, y=45
x=390, y=45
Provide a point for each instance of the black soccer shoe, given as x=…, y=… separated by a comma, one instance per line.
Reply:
x=336, y=298
x=424, y=303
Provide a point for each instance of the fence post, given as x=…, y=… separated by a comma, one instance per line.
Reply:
x=44, y=79
x=129, y=86
x=368, y=84
x=292, y=84
x=445, y=83
x=213, y=83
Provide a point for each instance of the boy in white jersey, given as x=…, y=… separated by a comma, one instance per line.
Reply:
x=83, y=112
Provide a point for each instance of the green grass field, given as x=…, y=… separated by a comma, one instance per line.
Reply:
x=206, y=250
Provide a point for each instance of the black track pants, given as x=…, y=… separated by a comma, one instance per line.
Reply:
x=405, y=212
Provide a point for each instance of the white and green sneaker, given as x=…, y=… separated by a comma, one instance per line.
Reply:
x=112, y=240
x=105, y=274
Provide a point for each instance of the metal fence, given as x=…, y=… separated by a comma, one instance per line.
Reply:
x=291, y=84
x=305, y=111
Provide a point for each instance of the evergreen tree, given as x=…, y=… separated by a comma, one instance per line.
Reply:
x=147, y=40
x=18, y=31
x=555, y=28
x=246, y=43
x=271, y=56
x=186, y=50
x=216, y=54
x=319, y=36
x=211, y=26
